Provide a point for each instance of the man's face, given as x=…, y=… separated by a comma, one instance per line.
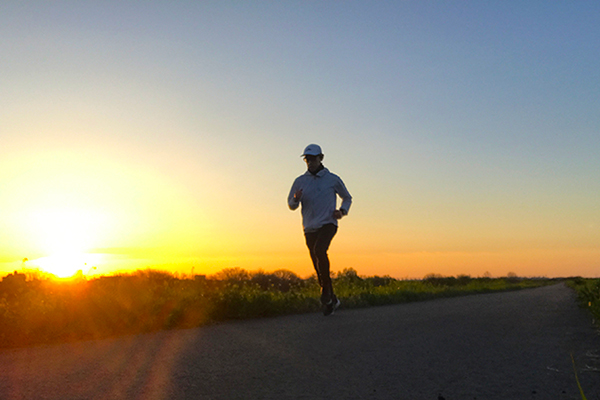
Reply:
x=313, y=162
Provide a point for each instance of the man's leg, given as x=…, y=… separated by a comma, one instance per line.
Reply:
x=318, y=243
x=311, y=240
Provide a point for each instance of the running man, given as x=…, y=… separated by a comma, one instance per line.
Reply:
x=317, y=190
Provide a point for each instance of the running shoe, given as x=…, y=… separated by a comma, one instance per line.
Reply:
x=329, y=308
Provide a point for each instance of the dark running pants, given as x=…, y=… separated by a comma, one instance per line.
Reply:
x=318, y=244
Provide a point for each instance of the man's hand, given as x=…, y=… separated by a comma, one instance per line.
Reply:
x=298, y=195
x=337, y=214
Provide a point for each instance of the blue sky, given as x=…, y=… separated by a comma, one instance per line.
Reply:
x=466, y=131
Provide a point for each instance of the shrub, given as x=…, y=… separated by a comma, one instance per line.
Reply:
x=588, y=293
x=281, y=280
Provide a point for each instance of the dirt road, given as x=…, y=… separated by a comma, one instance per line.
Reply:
x=513, y=345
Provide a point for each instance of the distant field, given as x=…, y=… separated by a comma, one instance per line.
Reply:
x=39, y=311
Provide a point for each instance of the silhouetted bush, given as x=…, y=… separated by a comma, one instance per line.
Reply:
x=463, y=279
x=512, y=277
x=377, y=281
x=348, y=275
x=281, y=280
x=236, y=274
x=440, y=280
x=14, y=285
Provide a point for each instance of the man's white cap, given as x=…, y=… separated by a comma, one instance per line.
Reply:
x=312, y=150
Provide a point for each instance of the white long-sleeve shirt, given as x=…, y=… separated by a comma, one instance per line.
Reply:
x=319, y=200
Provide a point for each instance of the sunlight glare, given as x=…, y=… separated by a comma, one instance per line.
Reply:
x=65, y=265
x=65, y=235
x=65, y=231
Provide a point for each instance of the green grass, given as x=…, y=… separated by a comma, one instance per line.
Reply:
x=588, y=294
x=577, y=379
x=39, y=311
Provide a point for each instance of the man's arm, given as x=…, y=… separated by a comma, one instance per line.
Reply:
x=294, y=197
x=341, y=190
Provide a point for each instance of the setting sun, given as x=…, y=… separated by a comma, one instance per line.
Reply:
x=65, y=235
x=65, y=265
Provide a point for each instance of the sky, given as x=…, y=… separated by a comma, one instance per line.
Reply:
x=167, y=135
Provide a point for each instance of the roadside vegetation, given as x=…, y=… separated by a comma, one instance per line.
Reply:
x=588, y=294
x=38, y=310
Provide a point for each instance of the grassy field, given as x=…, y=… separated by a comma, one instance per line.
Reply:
x=39, y=311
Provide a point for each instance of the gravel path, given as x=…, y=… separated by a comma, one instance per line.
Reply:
x=514, y=345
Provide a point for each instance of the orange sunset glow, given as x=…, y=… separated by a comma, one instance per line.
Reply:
x=168, y=136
